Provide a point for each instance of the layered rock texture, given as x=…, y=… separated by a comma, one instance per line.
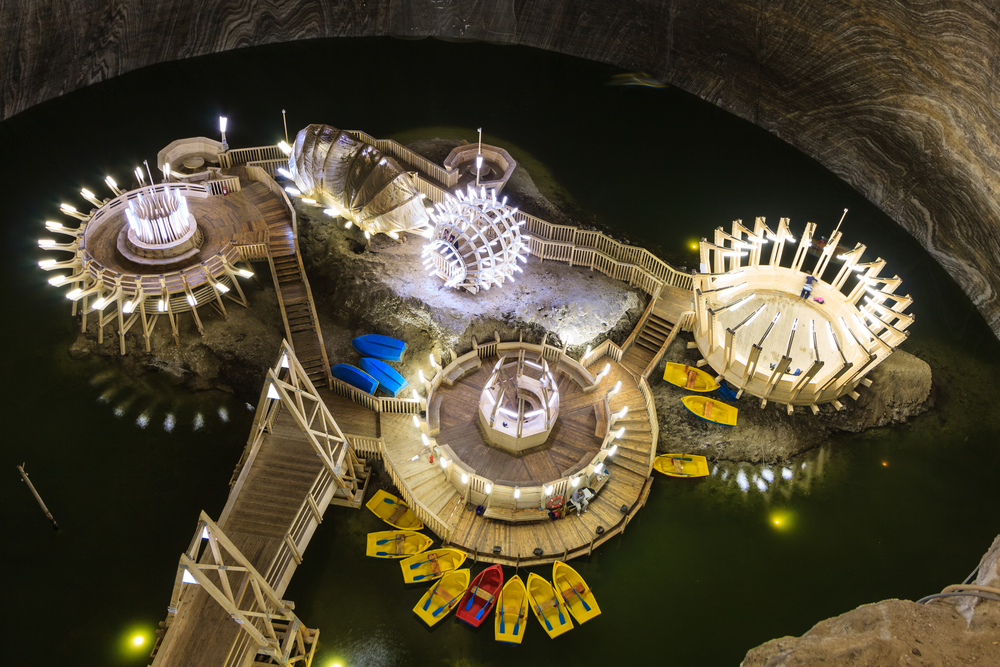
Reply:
x=901, y=99
x=949, y=631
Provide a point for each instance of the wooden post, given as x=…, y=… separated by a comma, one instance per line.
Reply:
x=41, y=503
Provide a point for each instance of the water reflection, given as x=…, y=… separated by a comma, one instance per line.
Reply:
x=774, y=479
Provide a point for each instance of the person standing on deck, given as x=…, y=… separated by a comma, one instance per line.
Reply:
x=808, y=287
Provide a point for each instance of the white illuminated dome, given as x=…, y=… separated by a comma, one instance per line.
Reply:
x=477, y=241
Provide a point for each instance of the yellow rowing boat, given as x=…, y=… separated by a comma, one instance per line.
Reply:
x=397, y=543
x=431, y=564
x=575, y=592
x=549, y=608
x=394, y=511
x=682, y=465
x=689, y=377
x=711, y=410
x=512, y=612
x=442, y=596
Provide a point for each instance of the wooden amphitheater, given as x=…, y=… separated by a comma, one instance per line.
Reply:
x=314, y=437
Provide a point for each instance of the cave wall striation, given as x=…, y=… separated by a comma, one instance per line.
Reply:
x=900, y=99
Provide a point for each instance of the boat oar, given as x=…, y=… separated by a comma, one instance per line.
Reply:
x=445, y=605
x=424, y=576
x=472, y=597
x=501, y=612
x=391, y=539
x=679, y=458
x=393, y=502
x=562, y=621
x=582, y=601
x=486, y=605
x=430, y=595
x=517, y=625
x=414, y=566
x=543, y=617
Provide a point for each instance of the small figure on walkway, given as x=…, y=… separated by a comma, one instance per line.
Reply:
x=808, y=287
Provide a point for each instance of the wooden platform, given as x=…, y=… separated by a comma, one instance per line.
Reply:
x=571, y=445
x=258, y=516
x=575, y=443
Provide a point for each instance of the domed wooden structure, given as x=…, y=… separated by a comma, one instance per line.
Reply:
x=477, y=241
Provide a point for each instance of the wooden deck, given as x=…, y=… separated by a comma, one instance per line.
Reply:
x=260, y=512
x=571, y=445
x=298, y=310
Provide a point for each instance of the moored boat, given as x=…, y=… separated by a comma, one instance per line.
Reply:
x=389, y=380
x=711, y=410
x=397, y=543
x=355, y=377
x=380, y=347
x=431, y=564
x=480, y=596
x=512, y=612
x=576, y=594
x=393, y=511
x=682, y=465
x=442, y=597
x=549, y=608
x=689, y=377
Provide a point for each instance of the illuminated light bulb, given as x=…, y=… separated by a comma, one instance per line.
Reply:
x=420, y=374
x=433, y=362
x=393, y=235
x=618, y=385
x=128, y=307
x=367, y=234
x=517, y=493
x=46, y=243
x=465, y=478
x=307, y=200
x=271, y=391
x=614, y=448
x=223, y=122
x=74, y=293
x=416, y=421
x=161, y=305
x=58, y=280
x=46, y=262
x=67, y=207
x=191, y=300
x=111, y=182
x=284, y=361
x=100, y=303
x=284, y=172
x=284, y=148
x=293, y=191
x=547, y=490
x=416, y=396
x=488, y=488
x=621, y=413
x=587, y=353
x=222, y=288
x=423, y=437
x=347, y=225
x=619, y=433
x=138, y=640
x=444, y=463
x=245, y=273
x=575, y=482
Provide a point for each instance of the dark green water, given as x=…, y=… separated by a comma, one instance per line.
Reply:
x=700, y=576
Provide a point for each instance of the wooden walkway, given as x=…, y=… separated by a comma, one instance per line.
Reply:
x=298, y=311
x=261, y=511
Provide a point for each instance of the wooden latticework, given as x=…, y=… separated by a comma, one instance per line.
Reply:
x=477, y=242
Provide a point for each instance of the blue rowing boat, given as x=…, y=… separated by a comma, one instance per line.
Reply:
x=355, y=377
x=380, y=347
x=389, y=381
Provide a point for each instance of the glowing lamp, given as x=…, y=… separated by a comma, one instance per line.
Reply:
x=517, y=492
x=244, y=273
x=465, y=478
x=488, y=489
x=271, y=391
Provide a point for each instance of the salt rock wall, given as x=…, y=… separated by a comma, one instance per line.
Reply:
x=901, y=99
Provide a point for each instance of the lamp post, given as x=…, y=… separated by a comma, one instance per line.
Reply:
x=223, y=121
x=285, y=123
x=479, y=157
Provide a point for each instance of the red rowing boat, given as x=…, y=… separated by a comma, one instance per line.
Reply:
x=480, y=596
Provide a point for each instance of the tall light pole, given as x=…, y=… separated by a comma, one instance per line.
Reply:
x=285, y=122
x=223, y=122
x=479, y=157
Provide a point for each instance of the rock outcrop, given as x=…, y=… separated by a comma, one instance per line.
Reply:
x=899, y=99
x=960, y=631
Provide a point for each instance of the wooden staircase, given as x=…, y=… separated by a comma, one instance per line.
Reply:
x=298, y=311
x=650, y=338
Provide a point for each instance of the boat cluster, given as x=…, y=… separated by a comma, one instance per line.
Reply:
x=555, y=603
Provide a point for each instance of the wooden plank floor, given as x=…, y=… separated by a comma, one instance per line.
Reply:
x=672, y=303
x=275, y=487
x=567, y=537
x=572, y=441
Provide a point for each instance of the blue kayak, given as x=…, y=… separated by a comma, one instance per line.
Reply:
x=389, y=380
x=380, y=347
x=355, y=377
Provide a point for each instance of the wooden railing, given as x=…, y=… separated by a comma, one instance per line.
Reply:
x=429, y=519
x=269, y=166
x=399, y=406
x=237, y=156
x=409, y=158
x=224, y=186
